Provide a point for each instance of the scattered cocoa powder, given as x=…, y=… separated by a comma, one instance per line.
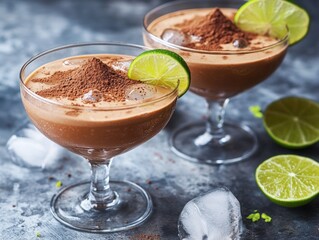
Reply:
x=144, y=236
x=94, y=78
x=213, y=30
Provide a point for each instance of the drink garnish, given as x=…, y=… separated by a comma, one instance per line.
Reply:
x=289, y=180
x=273, y=17
x=161, y=67
x=214, y=30
x=92, y=81
x=293, y=122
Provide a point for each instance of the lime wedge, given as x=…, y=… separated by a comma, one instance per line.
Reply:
x=272, y=17
x=293, y=122
x=289, y=180
x=161, y=67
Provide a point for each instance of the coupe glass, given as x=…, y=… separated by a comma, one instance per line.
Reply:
x=97, y=134
x=216, y=76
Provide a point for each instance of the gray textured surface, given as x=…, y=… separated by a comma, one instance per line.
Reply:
x=28, y=27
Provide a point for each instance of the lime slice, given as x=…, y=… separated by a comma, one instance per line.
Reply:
x=293, y=122
x=271, y=17
x=289, y=180
x=161, y=67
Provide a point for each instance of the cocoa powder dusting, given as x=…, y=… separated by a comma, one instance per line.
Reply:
x=213, y=30
x=94, y=80
x=53, y=79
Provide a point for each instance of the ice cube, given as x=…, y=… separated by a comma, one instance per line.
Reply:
x=177, y=37
x=73, y=62
x=213, y=216
x=29, y=148
x=138, y=92
x=92, y=96
x=121, y=65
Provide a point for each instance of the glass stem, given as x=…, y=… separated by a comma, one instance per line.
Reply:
x=215, y=117
x=101, y=196
x=214, y=123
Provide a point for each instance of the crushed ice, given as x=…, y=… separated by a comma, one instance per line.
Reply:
x=121, y=65
x=178, y=38
x=92, y=96
x=138, y=92
x=213, y=216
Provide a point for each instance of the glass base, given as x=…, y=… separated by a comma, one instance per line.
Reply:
x=132, y=208
x=192, y=143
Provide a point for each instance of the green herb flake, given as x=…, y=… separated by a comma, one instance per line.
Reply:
x=266, y=217
x=58, y=184
x=38, y=234
x=254, y=216
x=256, y=111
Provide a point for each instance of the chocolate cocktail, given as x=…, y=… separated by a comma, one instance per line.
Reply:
x=80, y=97
x=224, y=61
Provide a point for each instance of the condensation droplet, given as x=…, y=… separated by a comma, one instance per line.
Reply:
x=240, y=43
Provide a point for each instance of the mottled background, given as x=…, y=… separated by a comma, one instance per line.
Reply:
x=30, y=26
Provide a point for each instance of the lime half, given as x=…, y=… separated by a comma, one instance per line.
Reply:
x=289, y=180
x=293, y=122
x=161, y=67
x=273, y=17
